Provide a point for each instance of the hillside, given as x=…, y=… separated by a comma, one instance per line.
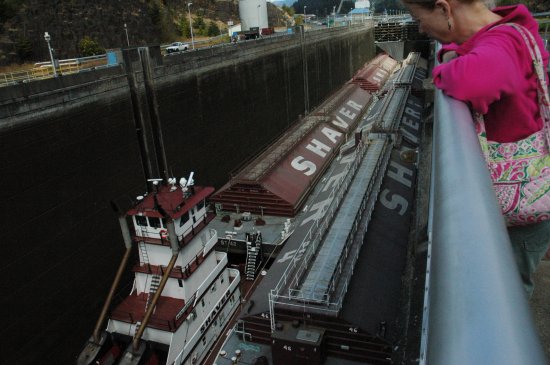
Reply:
x=23, y=23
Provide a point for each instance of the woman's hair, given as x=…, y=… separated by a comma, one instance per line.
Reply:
x=430, y=4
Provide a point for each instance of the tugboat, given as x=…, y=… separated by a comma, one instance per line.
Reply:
x=183, y=293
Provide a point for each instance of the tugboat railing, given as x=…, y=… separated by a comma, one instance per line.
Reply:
x=475, y=309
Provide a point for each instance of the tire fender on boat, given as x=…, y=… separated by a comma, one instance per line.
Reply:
x=163, y=233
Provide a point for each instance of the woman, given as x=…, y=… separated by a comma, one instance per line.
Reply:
x=489, y=67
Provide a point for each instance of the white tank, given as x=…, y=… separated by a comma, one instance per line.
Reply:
x=253, y=13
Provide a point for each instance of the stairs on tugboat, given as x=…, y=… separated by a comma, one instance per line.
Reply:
x=155, y=282
x=254, y=254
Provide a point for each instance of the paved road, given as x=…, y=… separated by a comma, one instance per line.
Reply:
x=540, y=304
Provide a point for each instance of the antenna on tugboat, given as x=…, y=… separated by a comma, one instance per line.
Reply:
x=155, y=183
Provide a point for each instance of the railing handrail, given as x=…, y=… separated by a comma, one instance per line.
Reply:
x=476, y=311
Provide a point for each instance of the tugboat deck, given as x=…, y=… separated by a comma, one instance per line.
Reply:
x=165, y=315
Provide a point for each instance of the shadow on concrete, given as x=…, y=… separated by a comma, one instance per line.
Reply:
x=540, y=304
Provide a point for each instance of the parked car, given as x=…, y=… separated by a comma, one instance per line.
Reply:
x=177, y=47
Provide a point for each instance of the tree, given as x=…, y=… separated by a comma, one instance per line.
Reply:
x=198, y=23
x=24, y=49
x=8, y=8
x=154, y=13
x=89, y=47
x=381, y=5
x=213, y=29
x=184, y=28
x=289, y=10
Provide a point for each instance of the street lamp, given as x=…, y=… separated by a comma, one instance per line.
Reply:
x=305, y=18
x=334, y=16
x=190, y=25
x=259, y=26
x=48, y=38
x=127, y=39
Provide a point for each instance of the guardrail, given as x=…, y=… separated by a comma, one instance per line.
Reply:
x=44, y=70
x=475, y=309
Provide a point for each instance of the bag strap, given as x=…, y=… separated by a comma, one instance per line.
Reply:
x=538, y=64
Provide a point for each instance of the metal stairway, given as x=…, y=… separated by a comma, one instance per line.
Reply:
x=143, y=251
x=253, y=254
x=155, y=282
x=155, y=279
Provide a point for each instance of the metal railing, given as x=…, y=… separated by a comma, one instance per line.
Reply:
x=282, y=293
x=475, y=309
x=44, y=70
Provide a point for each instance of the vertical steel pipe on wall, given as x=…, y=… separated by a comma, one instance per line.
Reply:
x=477, y=310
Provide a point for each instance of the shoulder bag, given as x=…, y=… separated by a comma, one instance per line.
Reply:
x=520, y=171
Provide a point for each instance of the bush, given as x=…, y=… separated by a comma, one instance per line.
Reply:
x=89, y=47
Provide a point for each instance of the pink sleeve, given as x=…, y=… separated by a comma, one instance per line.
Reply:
x=485, y=74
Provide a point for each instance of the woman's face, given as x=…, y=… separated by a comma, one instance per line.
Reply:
x=432, y=22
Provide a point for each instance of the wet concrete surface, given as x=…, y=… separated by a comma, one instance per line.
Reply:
x=540, y=304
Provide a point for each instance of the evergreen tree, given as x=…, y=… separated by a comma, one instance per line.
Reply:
x=24, y=49
x=198, y=23
x=213, y=29
x=89, y=47
x=184, y=28
x=289, y=10
x=154, y=13
x=8, y=8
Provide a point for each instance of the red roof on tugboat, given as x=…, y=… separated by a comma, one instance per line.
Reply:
x=170, y=201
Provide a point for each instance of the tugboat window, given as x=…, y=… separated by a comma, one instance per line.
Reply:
x=184, y=219
x=141, y=220
x=163, y=222
x=154, y=222
x=200, y=205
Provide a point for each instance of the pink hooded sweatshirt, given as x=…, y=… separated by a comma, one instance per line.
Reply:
x=494, y=74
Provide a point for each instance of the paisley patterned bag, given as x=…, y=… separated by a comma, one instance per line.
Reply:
x=520, y=170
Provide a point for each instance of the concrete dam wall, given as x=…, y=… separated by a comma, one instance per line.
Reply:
x=70, y=145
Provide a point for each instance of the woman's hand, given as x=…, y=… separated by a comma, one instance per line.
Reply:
x=448, y=56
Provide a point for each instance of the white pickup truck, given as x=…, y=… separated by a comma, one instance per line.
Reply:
x=177, y=47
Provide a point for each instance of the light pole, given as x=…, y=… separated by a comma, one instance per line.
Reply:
x=48, y=38
x=334, y=16
x=259, y=26
x=190, y=25
x=127, y=39
x=305, y=18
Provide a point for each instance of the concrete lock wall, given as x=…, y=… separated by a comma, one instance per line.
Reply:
x=70, y=146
